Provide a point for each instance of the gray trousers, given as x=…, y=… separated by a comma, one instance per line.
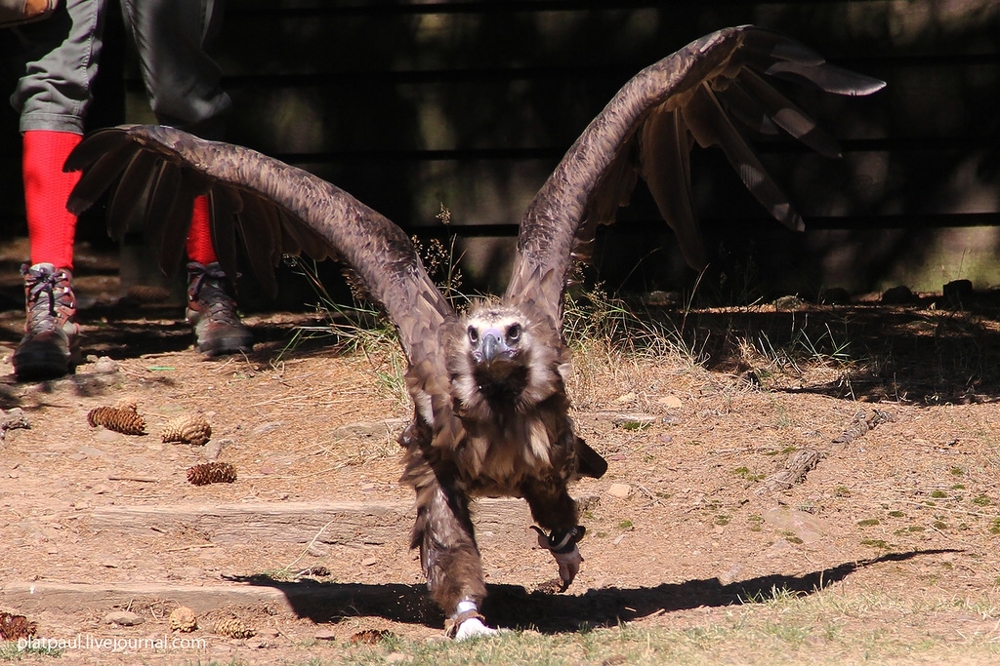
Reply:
x=182, y=81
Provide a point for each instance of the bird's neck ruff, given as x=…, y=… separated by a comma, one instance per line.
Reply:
x=502, y=388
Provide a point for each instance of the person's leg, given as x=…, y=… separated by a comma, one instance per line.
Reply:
x=52, y=98
x=183, y=85
x=182, y=81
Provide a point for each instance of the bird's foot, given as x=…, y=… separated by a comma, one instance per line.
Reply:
x=562, y=545
x=473, y=628
x=467, y=623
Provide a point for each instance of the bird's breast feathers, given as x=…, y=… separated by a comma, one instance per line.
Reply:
x=498, y=460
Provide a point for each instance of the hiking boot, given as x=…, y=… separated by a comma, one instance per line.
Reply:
x=50, y=346
x=212, y=311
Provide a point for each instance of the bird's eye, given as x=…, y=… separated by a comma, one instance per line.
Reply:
x=473, y=334
x=514, y=333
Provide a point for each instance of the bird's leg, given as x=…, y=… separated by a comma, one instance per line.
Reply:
x=450, y=557
x=553, y=509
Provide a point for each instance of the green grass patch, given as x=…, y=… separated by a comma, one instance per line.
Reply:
x=876, y=543
x=744, y=473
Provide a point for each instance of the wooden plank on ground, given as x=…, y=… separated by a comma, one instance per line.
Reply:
x=35, y=597
x=300, y=522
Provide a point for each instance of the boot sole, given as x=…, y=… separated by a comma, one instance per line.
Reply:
x=35, y=369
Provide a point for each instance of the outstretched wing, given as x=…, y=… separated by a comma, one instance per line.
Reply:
x=699, y=93
x=277, y=209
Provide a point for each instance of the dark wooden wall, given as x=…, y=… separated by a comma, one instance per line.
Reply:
x=468, y=105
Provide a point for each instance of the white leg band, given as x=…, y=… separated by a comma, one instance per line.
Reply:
x=465, y=606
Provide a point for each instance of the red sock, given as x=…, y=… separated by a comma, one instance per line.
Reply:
x=199, y=240
x=51, y=228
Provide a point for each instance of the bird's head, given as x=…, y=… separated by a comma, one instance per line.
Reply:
x=502, y=357
x=497, y=342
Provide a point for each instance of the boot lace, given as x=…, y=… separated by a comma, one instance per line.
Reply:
x=209, y=289
x=50, y=300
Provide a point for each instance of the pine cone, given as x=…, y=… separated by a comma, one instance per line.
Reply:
x=183, y=619
x=14, y=627
x=125, y=421
x=371, y=636
x=193, y=430
x=211, y=472
x=234, y=628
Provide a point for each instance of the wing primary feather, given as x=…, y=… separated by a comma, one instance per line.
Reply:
x=765, y=45
x=305, y=238
x=788, y=116
x=98, y=145
x=163, y=191
x=666, y=168
x=131, y=192
x=101, y=173
x=746, y=109
x=223, y=211
x=826, y=77
x=254, y=223
x=176, y=223
x=711, y=126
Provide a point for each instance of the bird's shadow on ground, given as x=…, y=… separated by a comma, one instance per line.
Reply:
x=511, y=606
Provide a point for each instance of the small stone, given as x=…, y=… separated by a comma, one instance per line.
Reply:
x=265, y=428
x=626, y=398
x=835, y=296
x=802, y=525
x=369, y=562
x=124, y=618
x=957, y=292
x=670, y=401
x=787, y=303
x=214, y=447
x=620, y=490
x=900, y=295
x=633, y=421
x=731, y=574
x=105, y=365
x=325, y=635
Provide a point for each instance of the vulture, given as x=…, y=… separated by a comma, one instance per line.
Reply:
x=491, y=413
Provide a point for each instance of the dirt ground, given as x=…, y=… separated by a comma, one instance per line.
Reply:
x=688, y=523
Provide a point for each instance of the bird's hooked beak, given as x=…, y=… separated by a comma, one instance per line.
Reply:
x=492, y=347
